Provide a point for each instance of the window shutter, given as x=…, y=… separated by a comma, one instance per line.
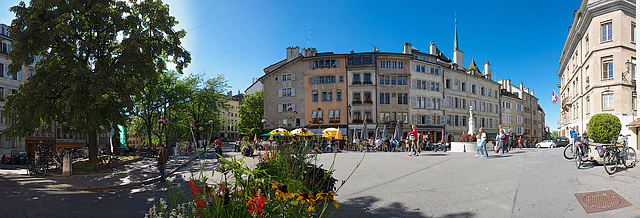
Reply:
x=441, y=119
x=294, y=106
x=337, y=62
x=413, y=119
x=330, y=114
x=293, y=91
x=320, y=114
x=429, y=103
x=414, y=102
x=427, y=119
x=279, y=92
x=413, y=83
x=314, y=114
x=279, y=107
x=293, y=76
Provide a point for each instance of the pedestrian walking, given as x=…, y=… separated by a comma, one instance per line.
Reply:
x=479, y=151
x=218, y=146
x=510, y=140
x=520, y=142
x=414, y=140
x=502, y=140
x=163, y=157
x=483, y=138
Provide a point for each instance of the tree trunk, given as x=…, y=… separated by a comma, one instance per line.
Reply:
x=93, y=147
x=149, y=133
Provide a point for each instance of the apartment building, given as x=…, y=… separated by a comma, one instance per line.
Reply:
x=521, y=111
x=325, y=85
x=284, y=90
x=362, y=88
x=393, y=92
x=597, y=66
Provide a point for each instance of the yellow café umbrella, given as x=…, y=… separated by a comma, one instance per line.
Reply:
x=329, y=132
x=255, y=137
x=301, y=132
x=279, y=131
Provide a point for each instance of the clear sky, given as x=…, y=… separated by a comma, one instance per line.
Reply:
x=237, y=39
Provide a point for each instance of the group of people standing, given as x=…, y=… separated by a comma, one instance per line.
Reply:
x=505, y=142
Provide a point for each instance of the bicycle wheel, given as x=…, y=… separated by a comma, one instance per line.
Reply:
x=100, y=165
x=610, y=162
x=578, y=156
x=113, y=163
x=629, y=157
x=568, y=152
x=39, y=170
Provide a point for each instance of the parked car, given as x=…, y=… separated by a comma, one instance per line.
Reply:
x=546, y=144
x=561, y=141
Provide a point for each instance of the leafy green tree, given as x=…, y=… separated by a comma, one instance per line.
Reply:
x=99, y=55
x=204, y=101
x=555, y=134
x=604, y=127
x=250, y=114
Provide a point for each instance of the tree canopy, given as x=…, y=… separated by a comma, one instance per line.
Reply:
x=98, y=56
x=251, y=113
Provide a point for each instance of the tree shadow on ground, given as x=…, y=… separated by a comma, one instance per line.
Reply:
x=363, y=207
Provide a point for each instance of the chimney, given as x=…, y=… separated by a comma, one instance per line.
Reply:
x=508, y=85
x=433, y=49
x=521, y=86
x=289, y=54
x=531, y=92
x=296, y=52
x=407, y=48
x=487, y=70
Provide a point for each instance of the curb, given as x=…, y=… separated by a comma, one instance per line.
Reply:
x=105, y=188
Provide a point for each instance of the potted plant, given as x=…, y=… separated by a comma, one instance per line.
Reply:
x=357, y=102
x=368, y=102
x=355, y=83
x=367, y=82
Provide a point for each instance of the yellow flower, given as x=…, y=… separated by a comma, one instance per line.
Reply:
x=311, y=208
x=282, y=193
x=328, y=197
x=305, y=198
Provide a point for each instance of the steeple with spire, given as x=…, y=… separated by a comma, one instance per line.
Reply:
x=457, y=53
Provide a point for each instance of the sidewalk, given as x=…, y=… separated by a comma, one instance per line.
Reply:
x=134, y=174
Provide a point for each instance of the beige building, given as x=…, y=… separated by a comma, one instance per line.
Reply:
x=427, y=91
x=597, y=66
x=326, y=92
x=521, y=112
x=229, y=118
x=284, y=90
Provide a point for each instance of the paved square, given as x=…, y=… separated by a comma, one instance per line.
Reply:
x=522, y=183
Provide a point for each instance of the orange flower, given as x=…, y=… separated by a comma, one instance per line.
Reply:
x=282, y=193
x=328, y=197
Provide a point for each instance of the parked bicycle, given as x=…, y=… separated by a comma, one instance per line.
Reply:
x=580, y=151
x=614, y=156
x=107, y=162
x=35, y=168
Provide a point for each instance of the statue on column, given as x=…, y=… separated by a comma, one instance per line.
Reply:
x=471, y=124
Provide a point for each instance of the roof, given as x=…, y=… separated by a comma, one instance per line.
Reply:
x=275, y=67
x=634, y=123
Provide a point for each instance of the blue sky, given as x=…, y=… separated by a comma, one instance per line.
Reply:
x=237, y=39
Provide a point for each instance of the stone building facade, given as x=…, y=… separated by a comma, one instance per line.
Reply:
x=284, y=91
x=393, y=92
x=597, y=66
x=325, y=92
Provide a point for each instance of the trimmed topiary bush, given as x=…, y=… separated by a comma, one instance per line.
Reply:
x=604, y=127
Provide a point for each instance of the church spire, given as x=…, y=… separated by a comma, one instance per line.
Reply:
x=455, y=41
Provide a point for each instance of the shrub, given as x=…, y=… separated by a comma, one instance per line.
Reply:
x=604, y=127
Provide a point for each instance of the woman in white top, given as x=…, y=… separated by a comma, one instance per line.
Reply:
x=483, y=137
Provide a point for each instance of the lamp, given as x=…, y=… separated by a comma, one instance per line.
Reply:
x=628, y=65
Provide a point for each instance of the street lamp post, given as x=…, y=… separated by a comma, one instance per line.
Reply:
x=348, y=120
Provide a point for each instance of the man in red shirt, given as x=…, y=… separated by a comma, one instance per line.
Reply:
x=414, y=140
x=217, y=144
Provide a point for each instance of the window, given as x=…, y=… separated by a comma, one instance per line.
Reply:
x=403, y=98
x=633, y=102
x=633, y=68
x=15, y=75
x=367, y=97
x=633, y=32
x=463, y=87
x=606, y=31
x=341, y=79
x=356, y=77
x=385, y=98
x=607, y=68
x=367, y=77
x=286, y=77
x=367, y=60
x=1, y=70
x=607, y=100
x=447, y=83
x=315, y=96
x=338, y=95
x=482, y=91
x=586, y=42
x=1, y=96
x=356, y=96
x=357, y=115
x=519, y=119
x=324, y=96
x=473, y=89
x=393, y=80
x=286, y=92
x=31, y=73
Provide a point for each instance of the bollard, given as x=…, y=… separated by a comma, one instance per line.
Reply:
x=67, y=167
